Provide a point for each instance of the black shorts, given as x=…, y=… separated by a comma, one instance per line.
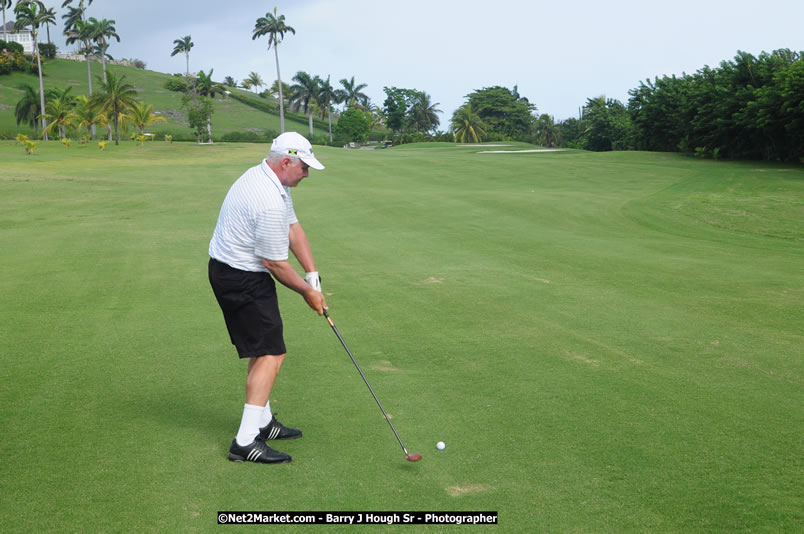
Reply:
x=250, y=308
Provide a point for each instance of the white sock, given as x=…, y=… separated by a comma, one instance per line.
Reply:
x=266, y=415
x=249, y=424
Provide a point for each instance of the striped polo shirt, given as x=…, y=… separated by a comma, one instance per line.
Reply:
x=254, y=221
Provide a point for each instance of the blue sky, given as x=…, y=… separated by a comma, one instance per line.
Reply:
x=558, y=53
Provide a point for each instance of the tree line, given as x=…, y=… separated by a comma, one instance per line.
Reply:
x=749, y=107
x=746, y=108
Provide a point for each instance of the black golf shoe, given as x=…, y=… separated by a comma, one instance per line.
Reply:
x=257, y=451
x=276, y=430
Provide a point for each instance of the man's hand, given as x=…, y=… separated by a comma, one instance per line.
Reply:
x=313, y=280
x=284, y=273
x=315, y=299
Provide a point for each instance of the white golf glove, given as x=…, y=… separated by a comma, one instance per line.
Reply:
x=313, y=280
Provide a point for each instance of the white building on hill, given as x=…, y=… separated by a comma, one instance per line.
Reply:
x=23, y=37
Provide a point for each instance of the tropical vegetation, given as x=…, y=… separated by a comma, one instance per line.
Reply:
x=748, y=107
x=102, y=31
x=183, y=46
x=253, y=80
x=115, y=97
x=467, y=126
x=303, y=94
x=31, y=14
x=275, y=28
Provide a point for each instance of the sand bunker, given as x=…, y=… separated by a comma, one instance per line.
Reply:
x=520, y=151
x=475, y=146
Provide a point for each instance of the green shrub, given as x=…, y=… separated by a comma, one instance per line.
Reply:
x=177, y=84
x=352, y=126
x=15, y=48
x=16, y=61
x=23, y=64
x=320, y=140
x=242, y=137
x=48, y=50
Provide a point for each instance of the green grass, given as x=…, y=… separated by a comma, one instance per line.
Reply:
x=229, y=115
x=605, y=342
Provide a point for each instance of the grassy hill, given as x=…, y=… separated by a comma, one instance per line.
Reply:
x=230, y=115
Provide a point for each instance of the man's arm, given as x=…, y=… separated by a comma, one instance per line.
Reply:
x=301, y=247
x=284, y=272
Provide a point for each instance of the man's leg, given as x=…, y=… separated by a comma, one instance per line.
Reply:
x=260, y=382
x=262, y=373
x=248, y=445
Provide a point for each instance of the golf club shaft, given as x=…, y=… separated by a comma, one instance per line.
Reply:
x=359, y=370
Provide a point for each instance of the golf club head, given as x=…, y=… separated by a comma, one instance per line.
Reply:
x=413, y=457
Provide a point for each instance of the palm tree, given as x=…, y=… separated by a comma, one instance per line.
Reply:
x=375, y=117
x=87, y=113
x=28, y=109
x=183, y=45
x=204, y=86
x=275, y=91
x=81, y=31
x=52, y=13
x=353, y=92
x=97, y=52
x=245, y=84
x=304, y=92
x=229, y=82
x=275, y=28
x=101, y=30
x=59, y=110
x=423, y=113
x=466, y=125
x=327, y=96
x=547, y=132
x=74, y=14
x=142, y=115
x=254, y=80
x=34, y=15
x=115, y=97
x=5, y=4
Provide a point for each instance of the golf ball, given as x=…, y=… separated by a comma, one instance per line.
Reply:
x=440, y=446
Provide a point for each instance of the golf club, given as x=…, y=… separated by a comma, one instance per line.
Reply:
x=408, y=456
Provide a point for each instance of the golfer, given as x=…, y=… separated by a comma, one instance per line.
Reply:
x=249, y=249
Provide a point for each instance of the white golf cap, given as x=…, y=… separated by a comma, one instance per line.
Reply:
x=293, y=144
